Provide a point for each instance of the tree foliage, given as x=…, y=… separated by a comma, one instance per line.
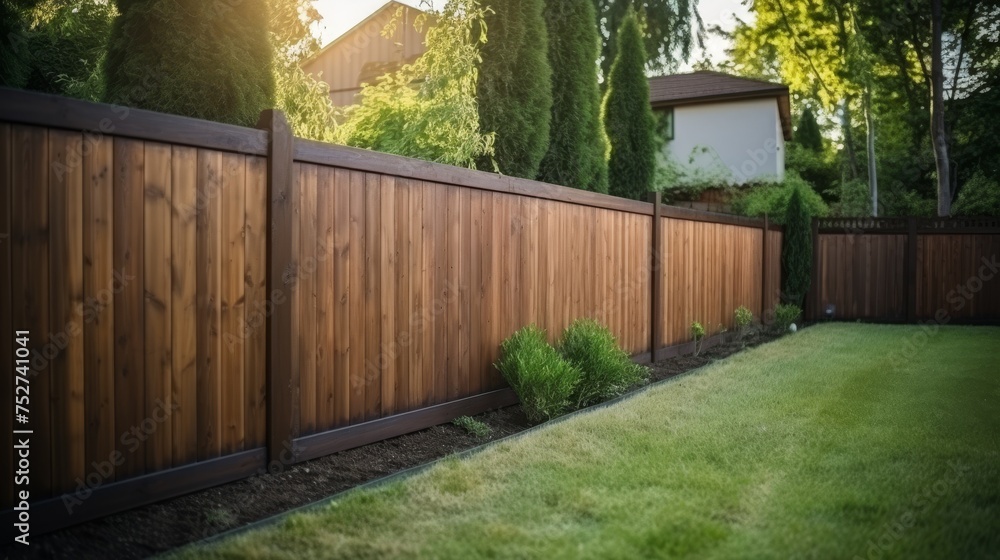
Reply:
x=515, y=86
x=15, y=52
x=209, y=60
x=670, y=29
x=628, y=117
x=807, y=134
x=773, y=199
x=796, y=250
x=576, y=155
x=428, y=109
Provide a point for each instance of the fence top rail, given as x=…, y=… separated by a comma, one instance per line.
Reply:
x=849, y=226
x=310, y=151
x=680, y=213
x=99, y=119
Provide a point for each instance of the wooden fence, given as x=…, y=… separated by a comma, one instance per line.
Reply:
x=206, y=302
x=906, y=270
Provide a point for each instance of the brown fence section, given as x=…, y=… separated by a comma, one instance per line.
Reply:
x=204, y=301
x=907, y=269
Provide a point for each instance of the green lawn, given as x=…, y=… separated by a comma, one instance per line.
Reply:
x=840, y=441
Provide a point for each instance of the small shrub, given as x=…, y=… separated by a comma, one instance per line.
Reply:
x=474, y=427
x=698, y=333
x=542, y=379
x=784, y=315
x=606, y=371
x=743, y=319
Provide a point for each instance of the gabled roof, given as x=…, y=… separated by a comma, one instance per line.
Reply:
x=391, y=4
x=714, y=87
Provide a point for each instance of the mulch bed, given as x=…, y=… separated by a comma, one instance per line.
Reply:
x=150, y=530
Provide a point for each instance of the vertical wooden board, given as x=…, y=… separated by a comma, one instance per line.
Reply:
x=415, y=351
x=464, y=288
x=184, y=305
x=357, y=297
x=438, y=303
x=487, y=291
x=233, y=302
x=99, y=282
x=542, y=275
x=325, y=306
x=209, y=258
x=157, y=313
x=343, y=292
x=373, y=297
x=307, y=288
x=424, y=209
x=6, y=326
x=474, y=305
x=29, y=180
x=403, y=336
x=256, y=306
x=453, y=264
x=387, y=264
x=130, y=388
x=66, y=368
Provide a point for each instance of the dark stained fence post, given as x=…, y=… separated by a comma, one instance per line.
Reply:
x=764, y=269
x=656, y=283
x=911, y=270
x=281, y=276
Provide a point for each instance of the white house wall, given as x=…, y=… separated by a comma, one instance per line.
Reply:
x=739, y=140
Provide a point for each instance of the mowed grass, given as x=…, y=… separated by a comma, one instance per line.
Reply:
x=840, y=441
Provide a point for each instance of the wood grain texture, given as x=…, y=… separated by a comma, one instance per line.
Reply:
x=233, y=303
x=157, y=312
x=184, y=305
x=257, y=304
x=66, y=307
x=209, y=324
x=130, y=381
x=307, y=297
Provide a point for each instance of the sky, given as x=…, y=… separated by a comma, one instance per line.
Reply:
x=341, y=15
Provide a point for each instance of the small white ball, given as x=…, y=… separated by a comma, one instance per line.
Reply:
x=792, y=328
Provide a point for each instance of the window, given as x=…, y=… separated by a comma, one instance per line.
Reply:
x=664, y=123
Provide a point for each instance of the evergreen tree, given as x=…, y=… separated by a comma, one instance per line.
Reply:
x=15, y=51
x=796, y=251
x=807, y=134
x=577, y=145
x=209, y=60
x=515, y=87
x=628, y=117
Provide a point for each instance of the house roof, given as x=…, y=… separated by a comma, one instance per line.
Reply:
x=391, y=4
x=715, y=87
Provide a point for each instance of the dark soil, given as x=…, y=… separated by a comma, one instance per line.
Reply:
x=150, y=530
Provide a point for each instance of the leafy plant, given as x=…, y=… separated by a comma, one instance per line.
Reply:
x=628, y=118
x=472, y=426
x=784, y=315
x=743, y=318
x=542, y=379
x=796, y=250
x=773, y=199
x=606, y=371
x=427, y=109
x=698, y=333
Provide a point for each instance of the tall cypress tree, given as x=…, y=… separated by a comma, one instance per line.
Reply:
x=628, y=117
x=807, y=134
x=796, y=251
x=577, y=145
x=210, y=60
x=515, y=86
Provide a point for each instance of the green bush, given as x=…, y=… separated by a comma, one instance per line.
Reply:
x=515, y=87
x=796, y=250
x=628, y=118
x=474, y=427
x=542, y=379
x=577, y=144
x=772, y=199
x=979, y=196
x=208, y=60
x=697, y=333
x=784, y=315
x=743, y=319
x=606, y=371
